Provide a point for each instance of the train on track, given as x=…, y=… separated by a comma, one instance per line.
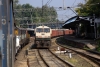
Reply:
x=21, y=38
x=43, y=35
x=12, y=38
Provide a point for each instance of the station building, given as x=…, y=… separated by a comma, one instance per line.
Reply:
x=84, y=27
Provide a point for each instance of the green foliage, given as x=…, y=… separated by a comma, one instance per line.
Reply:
x=89, y=8
x=15, y=2
x=35, y=14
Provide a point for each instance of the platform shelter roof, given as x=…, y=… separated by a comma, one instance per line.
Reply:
x=72, y=22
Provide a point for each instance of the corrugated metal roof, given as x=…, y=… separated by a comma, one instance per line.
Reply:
x=74, y=20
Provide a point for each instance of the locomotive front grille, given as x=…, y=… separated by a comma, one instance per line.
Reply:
x=43, y=39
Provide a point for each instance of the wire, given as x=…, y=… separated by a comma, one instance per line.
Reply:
x=48, y=2
x=74, y=3
x=64, y=12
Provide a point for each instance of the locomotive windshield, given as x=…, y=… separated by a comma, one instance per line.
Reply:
x=43, y=30
x=46, y=29
x=39, y=30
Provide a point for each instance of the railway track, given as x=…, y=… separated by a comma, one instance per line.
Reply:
x=94, y=52
x=45, y=58
x=34, y=59
x=93, y=56
x=52, y=60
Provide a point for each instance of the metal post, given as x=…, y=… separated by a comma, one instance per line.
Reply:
x=42, y=11
x=94, y=25
x=63, y=4
x=70, y=55
x=42, y=8
x=31, y=17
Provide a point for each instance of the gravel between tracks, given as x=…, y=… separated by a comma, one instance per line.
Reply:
x=21, y=61
x=76, y=59
x=21, y=58
x=34, y=59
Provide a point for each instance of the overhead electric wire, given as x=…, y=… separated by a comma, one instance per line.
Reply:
x=73, y=2
x=73, y=6
x=48, y=2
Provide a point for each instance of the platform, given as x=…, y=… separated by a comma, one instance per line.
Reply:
x=89, y=42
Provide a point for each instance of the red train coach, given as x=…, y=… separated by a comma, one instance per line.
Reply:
x=61, y=32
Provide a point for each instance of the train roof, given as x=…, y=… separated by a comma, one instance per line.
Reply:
x=43, y=27
x=30, y=29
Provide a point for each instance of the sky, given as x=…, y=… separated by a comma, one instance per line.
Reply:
x=63, y=14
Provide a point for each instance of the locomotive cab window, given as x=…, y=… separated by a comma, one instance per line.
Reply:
x=39, y=30
x=47, y=30
x=43, y=30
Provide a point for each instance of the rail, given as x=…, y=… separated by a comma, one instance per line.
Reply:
x=65, y=62
x=43, y=59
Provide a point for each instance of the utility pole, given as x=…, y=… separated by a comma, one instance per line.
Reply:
x=63, y=5
x=42, y=11
x=94, y=25
x=31, y=16
x=42, y=8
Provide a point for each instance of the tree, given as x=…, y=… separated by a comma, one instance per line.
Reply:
x=15, y=2
x=30, y=13
x=89, y=8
